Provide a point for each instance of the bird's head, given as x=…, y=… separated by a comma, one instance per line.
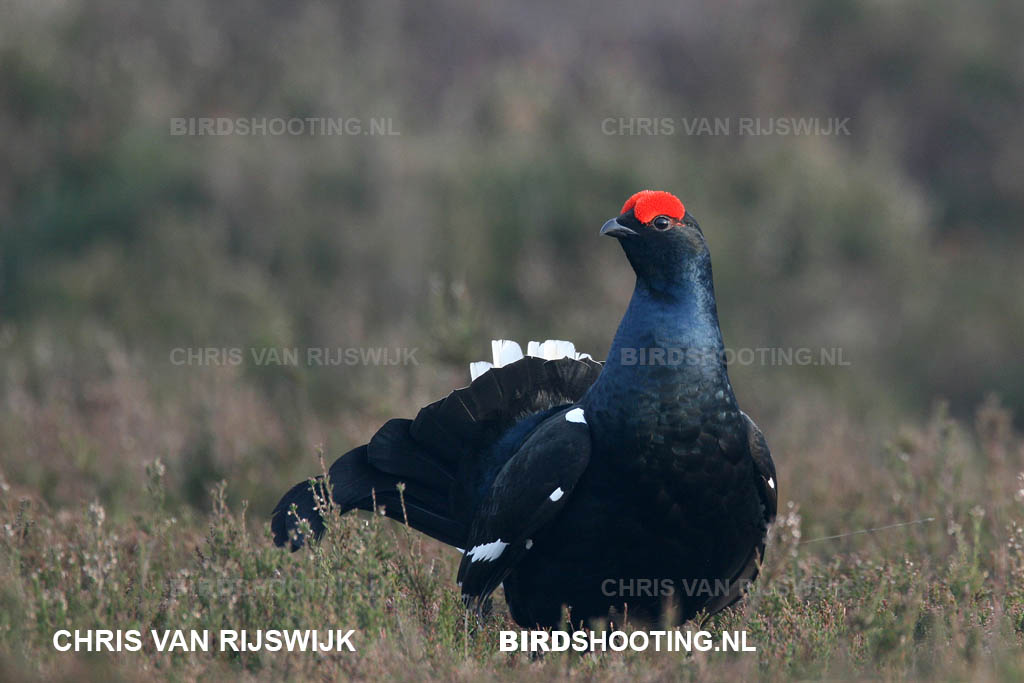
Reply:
x=662, y=241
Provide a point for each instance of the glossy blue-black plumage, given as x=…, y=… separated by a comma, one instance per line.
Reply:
x=654, y=491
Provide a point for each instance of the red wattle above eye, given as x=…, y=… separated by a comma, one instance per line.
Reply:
x=649, y=204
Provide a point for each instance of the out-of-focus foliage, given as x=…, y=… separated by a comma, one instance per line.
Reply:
x=897, y=243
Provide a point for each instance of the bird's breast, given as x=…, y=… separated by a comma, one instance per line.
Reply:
x=682, y=454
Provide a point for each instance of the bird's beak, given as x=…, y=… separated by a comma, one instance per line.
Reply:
x=614, y=228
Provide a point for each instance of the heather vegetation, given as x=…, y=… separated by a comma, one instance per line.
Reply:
x=135, y=488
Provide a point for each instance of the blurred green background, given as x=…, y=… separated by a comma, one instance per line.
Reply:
x=899, y=243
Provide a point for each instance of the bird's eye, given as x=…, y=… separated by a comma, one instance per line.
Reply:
x=661, y=223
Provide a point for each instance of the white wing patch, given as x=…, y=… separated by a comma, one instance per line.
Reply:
x=556, y=494
x=529, y=543
x=771, y=482
x=487, y=552
x=576, y=415
x=506, y=351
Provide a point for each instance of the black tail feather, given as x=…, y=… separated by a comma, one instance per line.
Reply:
x=283, y=523
x=425, y=454
x=356, y=484
x=392, y=450
x=470, y=419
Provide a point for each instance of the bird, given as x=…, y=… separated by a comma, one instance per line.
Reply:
x=634, y=487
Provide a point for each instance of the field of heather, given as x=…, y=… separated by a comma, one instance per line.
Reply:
x=236, y=239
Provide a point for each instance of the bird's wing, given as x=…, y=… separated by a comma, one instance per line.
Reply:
x=527, y=493
x=767, y=483
x=768, y=491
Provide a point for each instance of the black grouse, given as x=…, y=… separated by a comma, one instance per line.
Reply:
x=635, y=484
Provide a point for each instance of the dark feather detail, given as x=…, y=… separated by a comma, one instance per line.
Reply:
x=767, y=481
x=392, y=450
x=522, y=500
x=426, y=454
x=356, y=484
x=739, y=585
x=767, y=488
x=284, y=524
x=471, y=419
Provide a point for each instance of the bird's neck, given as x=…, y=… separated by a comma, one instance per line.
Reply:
x=669, y=339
